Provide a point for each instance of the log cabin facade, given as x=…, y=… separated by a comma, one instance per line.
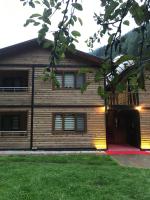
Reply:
x=36, y=115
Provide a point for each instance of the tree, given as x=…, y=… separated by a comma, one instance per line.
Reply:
x=109, y=23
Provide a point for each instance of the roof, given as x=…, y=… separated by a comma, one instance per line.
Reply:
x=11, y=50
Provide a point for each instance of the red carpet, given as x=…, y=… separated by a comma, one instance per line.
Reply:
x=115, y=152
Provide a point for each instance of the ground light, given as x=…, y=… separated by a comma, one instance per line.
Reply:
x=139, y=108
x=98, y=142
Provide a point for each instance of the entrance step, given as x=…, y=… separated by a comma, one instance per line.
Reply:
x=125, y=150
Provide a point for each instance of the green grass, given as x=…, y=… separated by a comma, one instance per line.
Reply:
x=72, y=177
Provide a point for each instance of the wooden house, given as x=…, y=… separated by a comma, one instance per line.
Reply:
x=36, y=115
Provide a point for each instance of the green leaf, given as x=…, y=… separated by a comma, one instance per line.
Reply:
x=24, y=3
x=35, y=15
x=84, y=87
x=47, y=44
x=110, y=9
x=126, y=22
x=101, y=91
x=36, y=23
x=46, y=3
x=80, y=21
x=52, y=3
x=141, y=81
x=74, y=18
x=77, y=6
x=31, y=4
x=37, y=2
x=110, y=39
x=71, y=22
x=29, y=21
x=120, y=87
x=138, y=13
x=85, y=70
x=76, y=33
x=58, y=5
x=71, y=47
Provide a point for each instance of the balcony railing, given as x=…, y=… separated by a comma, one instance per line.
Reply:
x=13, y=133
x=125, y=98
x=13, y=89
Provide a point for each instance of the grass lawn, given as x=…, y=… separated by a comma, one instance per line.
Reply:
x=72, y=177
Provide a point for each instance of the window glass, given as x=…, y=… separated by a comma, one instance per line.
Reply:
x=80, y=123
x=15, y=123
x=10, y=122
x=79, y=80
x=6, y=123
x=58, y=122
x=69, y=123
x=69, y=81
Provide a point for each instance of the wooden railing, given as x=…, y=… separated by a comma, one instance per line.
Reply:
x=125, y=98
x=13, y=89
x=13, y=133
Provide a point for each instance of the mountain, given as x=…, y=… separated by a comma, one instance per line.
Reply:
x=130, y=43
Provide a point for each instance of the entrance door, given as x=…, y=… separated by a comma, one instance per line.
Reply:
x=123, y=127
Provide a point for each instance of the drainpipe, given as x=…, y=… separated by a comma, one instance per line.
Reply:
x=32, y=109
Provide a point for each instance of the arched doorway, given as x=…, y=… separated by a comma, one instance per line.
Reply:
x=123, y=127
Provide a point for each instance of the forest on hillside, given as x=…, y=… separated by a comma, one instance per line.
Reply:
x=129, y=45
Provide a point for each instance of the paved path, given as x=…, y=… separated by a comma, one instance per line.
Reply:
x=139, y=161
x=38, y=152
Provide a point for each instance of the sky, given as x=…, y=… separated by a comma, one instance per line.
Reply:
x=13, y=16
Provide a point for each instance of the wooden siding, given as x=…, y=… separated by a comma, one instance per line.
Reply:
x=144, y=97
x=44, y=93
x=16, y=98
x=45, y=138
x=16, y=142
x=145, y=128
x=38, y=56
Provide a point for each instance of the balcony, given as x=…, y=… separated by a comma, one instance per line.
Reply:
x=13, y=89
x=125, y=98
x=13, y=81
x=13, y=133
x=13, y=123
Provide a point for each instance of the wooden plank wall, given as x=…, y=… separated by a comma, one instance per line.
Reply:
x=144, y=98
x=45, y=94
x=37, y=56
x=45, y=138
x=145, y=128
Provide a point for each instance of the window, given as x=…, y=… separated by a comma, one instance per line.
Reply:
x=14, y=80
x=75, y=122
x=58, y=122
x=13, y=122
x=10, y=123
x=69, y=123
x=80, y=80
x=68, y=80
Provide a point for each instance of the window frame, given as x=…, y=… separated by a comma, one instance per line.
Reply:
x=63, y=131
x=74, y=73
